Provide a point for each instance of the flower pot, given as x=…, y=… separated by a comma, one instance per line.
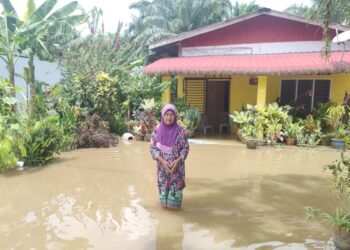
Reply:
x=342, y=239
x=338, y=143
x=251, y=143
x=148, y=137
x=325, y=142
x=139, y=138
x=291, y=141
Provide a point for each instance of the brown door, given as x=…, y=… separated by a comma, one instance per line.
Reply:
x=217, y=101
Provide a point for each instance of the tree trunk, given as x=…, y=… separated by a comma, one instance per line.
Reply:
x=31, y=82
x=11, y=71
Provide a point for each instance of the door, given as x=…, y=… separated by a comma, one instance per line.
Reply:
x=217, y=101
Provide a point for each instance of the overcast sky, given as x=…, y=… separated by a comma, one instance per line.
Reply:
x=118, y=10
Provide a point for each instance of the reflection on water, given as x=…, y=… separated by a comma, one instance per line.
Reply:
x=65, y=220
x=203, y=239
x=108, y=199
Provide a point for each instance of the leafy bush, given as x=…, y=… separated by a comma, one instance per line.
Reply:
x=94, y=133
x=117, y=124
x=262, y=121
x=46, y=140
x=98, y=94
x=12, y=127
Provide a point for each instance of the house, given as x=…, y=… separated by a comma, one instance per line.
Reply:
x=253, y=59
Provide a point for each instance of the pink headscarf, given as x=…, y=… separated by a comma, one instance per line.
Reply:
x=167, y=133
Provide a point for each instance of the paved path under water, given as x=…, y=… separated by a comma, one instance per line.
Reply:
x=108, y=199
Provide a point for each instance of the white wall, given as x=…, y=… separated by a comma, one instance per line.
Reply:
x=44, y=71
x=261, y=48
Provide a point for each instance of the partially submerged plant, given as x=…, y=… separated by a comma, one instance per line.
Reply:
x=340, y=170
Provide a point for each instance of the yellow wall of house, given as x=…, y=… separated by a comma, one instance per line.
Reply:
x=339, y=84
x=180, y=86
x=166, y=98
x=241, y=92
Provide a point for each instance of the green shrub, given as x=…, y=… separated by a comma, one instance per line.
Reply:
x=117, y=124
x=46, y=140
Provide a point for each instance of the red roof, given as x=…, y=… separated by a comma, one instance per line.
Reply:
x=274, y=64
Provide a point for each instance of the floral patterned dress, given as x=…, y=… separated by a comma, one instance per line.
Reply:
x=171, y=185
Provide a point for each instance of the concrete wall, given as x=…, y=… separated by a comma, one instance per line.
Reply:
x=44, y=71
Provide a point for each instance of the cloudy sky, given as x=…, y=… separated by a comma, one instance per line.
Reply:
x=118, y=10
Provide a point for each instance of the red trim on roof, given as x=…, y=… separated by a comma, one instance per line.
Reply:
x=276, y=64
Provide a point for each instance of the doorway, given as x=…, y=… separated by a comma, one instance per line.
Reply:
x=217, y=100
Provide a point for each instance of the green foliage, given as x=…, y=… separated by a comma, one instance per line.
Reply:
x=262, y=121
x=46, y=140
x=160, y=19
x=12, y=127
x=139, y=87
x=98, y=95
x=193, y=116
x=335, y=115
x=181, y=105
x=340, y=170
x=8, y=158
x=117, y=124
x=320, y=113
x=290, y=129
x=340, y=219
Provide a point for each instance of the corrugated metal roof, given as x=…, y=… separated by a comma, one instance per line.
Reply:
x=276, y=64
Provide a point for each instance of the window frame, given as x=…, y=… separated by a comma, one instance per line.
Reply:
x=313, y=87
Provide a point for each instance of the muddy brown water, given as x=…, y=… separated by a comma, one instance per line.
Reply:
x=108, y=199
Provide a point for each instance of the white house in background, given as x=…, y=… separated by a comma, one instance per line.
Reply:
x=48, y=72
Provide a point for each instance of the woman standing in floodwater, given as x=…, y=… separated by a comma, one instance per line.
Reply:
x=169, y=147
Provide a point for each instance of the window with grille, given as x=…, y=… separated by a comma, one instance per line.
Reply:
x=306, y=92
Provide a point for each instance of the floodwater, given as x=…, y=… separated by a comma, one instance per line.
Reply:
x=108, y=199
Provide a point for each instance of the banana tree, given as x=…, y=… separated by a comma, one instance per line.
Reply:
x=39, y=30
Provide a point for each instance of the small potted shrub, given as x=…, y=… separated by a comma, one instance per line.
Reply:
x=291, y=130
x=338, y=141
x=335, y=115
x=326, y=139
x=139, y=132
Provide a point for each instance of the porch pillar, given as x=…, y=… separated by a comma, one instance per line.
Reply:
x=180, y=86
x=166, y=93
x=262, y=87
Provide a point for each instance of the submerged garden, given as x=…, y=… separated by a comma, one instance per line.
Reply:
x=104, y=92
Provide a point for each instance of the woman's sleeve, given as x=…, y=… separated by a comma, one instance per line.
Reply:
x=185, y=146
x=153, y=146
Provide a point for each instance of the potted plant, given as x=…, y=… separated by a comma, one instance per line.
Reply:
x=191, y=120
x=251, y=142
x=326, y=139
x=139, y=132
x=340, y=220
x=291, y=130
x=338, y=141
x=335, y=115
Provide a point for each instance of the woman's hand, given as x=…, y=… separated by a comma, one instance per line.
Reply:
x=164, y=164
x=175, y=164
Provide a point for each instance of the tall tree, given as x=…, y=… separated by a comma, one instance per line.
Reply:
x=239, y=9
x=160, y=19
x=326, y=12
x=37, y=32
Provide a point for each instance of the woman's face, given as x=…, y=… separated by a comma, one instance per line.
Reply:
x=169, y=117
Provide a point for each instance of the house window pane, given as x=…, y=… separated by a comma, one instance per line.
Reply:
x=287, y=91
x=322, y=89
x=304, y=96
